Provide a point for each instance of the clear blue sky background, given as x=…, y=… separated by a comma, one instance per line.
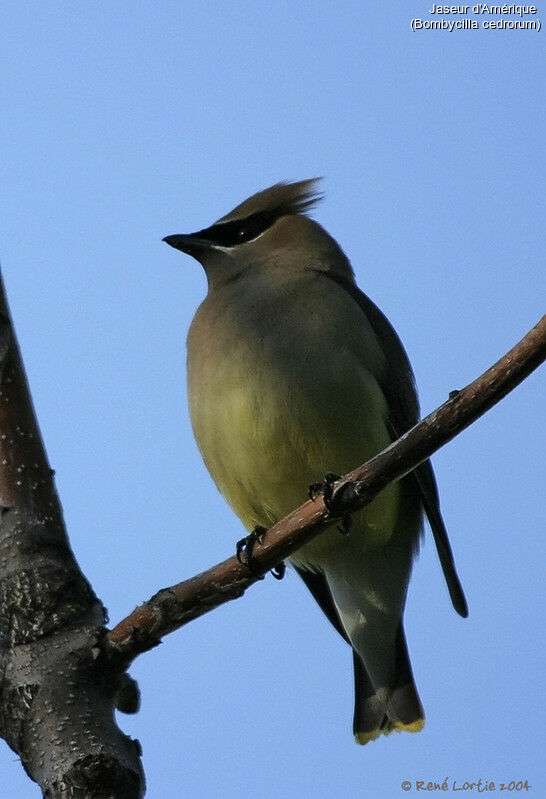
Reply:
x=123, y=122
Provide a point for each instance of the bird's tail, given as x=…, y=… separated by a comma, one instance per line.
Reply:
x=381, y=711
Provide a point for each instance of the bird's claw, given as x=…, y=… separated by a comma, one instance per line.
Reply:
x=279, y=570
x=245, y=546
x=337, y=499
x=326, y=488
x=244, y=551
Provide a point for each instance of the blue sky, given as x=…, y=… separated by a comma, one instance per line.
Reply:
x=123, y=122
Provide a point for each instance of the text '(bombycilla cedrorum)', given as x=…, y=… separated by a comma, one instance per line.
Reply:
x=293, y=373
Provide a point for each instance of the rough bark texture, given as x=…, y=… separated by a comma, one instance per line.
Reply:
x=57, y=687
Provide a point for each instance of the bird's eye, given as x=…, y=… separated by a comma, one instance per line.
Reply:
x=243, y=233
x=231, y=234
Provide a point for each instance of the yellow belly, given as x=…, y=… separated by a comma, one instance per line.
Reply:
x=269, y=422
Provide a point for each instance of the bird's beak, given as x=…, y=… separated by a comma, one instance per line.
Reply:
x=188, y=243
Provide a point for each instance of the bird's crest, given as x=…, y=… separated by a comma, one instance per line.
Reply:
x=279, y=200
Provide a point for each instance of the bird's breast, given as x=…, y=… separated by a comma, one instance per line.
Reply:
x=280, y=392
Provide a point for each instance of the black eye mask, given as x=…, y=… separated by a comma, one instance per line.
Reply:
x=231, y=234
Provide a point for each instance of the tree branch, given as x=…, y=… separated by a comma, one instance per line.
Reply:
x=56, y=687
x=173, y=607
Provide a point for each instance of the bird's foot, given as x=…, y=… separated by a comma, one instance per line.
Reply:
x=336, y=500
x=244, y=551
x=279, y=570
x=245, y=546
x=326, y=488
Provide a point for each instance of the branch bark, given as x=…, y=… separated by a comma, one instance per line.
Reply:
x=57, y=687
x=173, y=607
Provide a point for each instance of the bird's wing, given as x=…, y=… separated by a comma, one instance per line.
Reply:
x=426, y=481
x=317, y=585
x=398, y=385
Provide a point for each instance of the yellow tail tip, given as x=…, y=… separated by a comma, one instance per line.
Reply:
x=363, y=738
x=413, y=726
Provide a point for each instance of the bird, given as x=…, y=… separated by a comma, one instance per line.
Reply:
x=294, y=373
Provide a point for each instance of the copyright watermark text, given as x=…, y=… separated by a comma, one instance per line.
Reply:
x=481, y=786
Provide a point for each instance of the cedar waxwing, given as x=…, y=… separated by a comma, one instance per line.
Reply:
x=293, y=373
